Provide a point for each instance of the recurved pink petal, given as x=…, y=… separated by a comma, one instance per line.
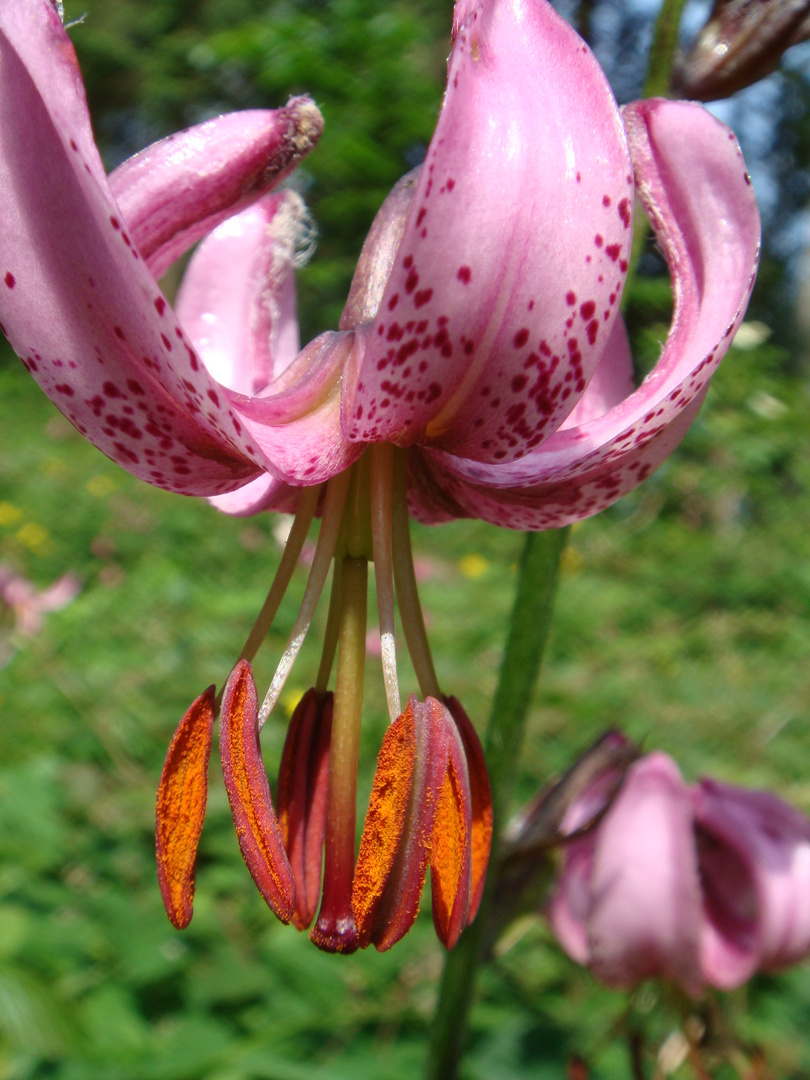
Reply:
x=692, y=180
x=754, y=856
x=249, y=794
x=237, y=297
x=295, y=421
x=515, y=249
x=644, y=913
x=612, y=381
x=77, y=302
x=178, y=189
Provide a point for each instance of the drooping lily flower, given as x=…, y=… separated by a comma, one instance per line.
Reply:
x=703, y=885
x=481, y=369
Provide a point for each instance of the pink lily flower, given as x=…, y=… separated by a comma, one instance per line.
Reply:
x=481, y=369
x=702, y=885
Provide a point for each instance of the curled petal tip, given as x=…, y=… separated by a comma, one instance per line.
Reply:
x=249, y=794
x=181, y=800
x=306, y=125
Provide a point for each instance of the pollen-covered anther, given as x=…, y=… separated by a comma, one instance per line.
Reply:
x=419, y=813
x=302, y=788
x=249, y=794
x=480, y=803
x=181, y=799
x=451, y=848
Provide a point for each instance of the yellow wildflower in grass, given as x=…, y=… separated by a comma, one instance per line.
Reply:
x=473, y=566
x=9, y=514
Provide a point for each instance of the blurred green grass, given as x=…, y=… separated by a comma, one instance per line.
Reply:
x=681, y=617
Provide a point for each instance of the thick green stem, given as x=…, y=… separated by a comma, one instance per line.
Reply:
x=662, y=50
x=658, y=83
x=528, y=633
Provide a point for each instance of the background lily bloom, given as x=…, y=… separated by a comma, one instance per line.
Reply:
x=481, y=368
x=703, y=884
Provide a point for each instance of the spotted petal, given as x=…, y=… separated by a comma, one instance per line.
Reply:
x=692, y=181
x=179, y=189
x=515, y=248
x=77, y=301
x=237, y=303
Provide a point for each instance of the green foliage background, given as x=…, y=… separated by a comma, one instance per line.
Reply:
x=682, y=617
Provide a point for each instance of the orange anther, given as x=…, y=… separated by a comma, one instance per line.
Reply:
x=180, y=810
x=249, y=794
x=385, y=822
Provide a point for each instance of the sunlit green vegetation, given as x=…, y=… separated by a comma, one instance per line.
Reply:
x=681, y=617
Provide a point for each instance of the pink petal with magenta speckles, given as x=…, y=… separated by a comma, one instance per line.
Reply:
x=237, y=298
x=695, y=189
x=178, y=189
x=515, y=247
x=76, y=299
x=296, y=420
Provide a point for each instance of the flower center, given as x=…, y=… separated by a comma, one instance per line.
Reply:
x=364, y=520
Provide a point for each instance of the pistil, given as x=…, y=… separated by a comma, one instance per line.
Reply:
x=335, y=929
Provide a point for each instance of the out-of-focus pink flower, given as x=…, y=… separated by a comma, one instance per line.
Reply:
x=704, y=884
x=28, y=604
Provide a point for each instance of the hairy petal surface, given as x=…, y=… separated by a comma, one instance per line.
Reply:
x=692, y=181
x=178, y=189
x=513, y=259
x=754, y=854
x=77, y=302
